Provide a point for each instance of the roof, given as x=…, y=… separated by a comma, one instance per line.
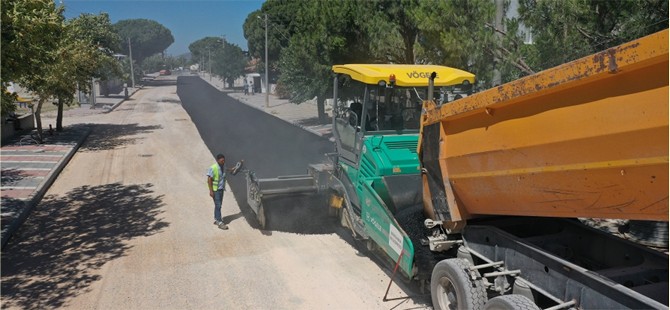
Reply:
x=406, y=75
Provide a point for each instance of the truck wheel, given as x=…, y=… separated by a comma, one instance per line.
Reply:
x=452, y=288
x=261, y=217
x=511, y=302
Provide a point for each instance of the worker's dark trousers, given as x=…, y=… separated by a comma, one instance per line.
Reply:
x=218, y=198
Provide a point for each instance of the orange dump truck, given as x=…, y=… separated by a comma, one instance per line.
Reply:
x=506, y=172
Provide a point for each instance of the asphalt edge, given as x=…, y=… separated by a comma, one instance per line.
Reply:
x=42, y=189
x=260, y=109
x=122, y=101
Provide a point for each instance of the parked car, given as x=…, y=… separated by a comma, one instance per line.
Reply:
x=165, y=72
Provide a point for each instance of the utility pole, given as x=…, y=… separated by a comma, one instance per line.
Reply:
x=267, y=81
x=132, y=73
x=209, y=53
x=93, y=101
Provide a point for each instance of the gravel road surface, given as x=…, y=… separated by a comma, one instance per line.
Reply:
x=128, y=223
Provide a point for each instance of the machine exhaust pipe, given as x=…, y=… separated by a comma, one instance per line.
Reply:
x=431, y=85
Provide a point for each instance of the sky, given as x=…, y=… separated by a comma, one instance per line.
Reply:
x=188, y=20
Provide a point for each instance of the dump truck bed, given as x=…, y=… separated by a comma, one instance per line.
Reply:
x=585, y=139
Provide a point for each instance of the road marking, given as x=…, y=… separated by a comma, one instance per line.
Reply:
x=29, y=161
x=28, y=169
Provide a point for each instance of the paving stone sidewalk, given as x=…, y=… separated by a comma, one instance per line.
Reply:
x=29, y=169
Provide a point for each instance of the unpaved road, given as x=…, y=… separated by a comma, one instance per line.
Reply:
x=128, y=225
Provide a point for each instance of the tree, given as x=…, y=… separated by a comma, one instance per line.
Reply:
x=126, y=72
x=454, y=33
x=325, y=37
x=391, y=29
x=71, y=54
x=85, y=52
x=29, y=33
x=283, y=22
x=203, y=49
x=33, y=25
x=307, y=38
x=229, y=62
x=566, y=30
x=147, y=37
x=158, y=62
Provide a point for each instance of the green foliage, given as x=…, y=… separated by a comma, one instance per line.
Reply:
x=147, y=37
x=223, y=58
x=52, y=57
x=90, y=42
x=304, y=75
x=156, y=63
x=283, y=22
x=30, y=33
x=455, y=34
x=85, y=52
x=570, y=29
x=201, y=50
x=326, y=34
x=229, y=62
x=390, y=28
x=306, y=38
x=125, y=69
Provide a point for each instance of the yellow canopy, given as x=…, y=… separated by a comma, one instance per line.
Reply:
x=405, y=75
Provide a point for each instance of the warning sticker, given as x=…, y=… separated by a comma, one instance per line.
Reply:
x=395, y=239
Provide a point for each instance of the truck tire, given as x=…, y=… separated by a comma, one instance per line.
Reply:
x=452, y=288
x=511, y=302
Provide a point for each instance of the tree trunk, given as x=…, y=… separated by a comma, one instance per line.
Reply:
x=38, y=120
x=409, y=37
x=59, y=116
x=320, y=106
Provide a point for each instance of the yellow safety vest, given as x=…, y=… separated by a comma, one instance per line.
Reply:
x=215, y=178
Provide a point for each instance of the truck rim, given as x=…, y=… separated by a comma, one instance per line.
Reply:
x=446, y=294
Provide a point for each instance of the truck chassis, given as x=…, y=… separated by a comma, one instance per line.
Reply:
x=562, y=263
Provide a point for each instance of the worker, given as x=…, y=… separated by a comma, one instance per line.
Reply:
x=216, y=181
x=357, y=109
